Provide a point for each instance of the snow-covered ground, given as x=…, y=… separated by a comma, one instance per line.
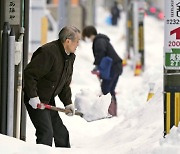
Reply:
x=138, y=129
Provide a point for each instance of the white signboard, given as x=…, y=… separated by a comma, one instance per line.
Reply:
x=12, y=11
x=172, y=25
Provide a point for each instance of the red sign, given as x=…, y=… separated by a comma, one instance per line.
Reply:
x=177, y=32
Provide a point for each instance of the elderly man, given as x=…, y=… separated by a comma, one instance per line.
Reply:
x=49, y=75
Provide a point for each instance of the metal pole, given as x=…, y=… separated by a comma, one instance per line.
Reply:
x=128, y=26
x=19, y=84
x=1, y=4
x=10, y=93
x=62, y=13
x=135, y=25
x=25, y=61
x=4, y=79
x=141, y=11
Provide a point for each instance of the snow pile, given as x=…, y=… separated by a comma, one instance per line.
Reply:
x=169, y=144
x=173, y=138
x=91, y=105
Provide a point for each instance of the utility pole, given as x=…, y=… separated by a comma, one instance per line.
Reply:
x=138, y=36
x=171, y=65
x=129, y=24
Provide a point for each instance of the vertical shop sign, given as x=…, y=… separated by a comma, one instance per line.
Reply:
x=13, y=10
x=172, y=35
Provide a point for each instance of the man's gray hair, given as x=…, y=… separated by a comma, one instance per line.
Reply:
x=68, y=32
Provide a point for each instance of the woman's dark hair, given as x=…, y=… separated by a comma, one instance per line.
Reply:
x=88, y=31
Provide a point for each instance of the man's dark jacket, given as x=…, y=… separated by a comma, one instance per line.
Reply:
x=102, y=48
x=49, y=73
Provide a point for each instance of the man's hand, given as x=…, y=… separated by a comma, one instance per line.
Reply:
x=34, y=102
x=70, y=107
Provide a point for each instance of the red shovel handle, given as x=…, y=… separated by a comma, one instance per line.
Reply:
x=50, y=107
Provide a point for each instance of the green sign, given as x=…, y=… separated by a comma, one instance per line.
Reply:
x=172, y=59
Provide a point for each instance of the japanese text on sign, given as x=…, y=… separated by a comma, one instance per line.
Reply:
x=172, y=60
x=172, y=25
x=13, y=8
x=175, y=13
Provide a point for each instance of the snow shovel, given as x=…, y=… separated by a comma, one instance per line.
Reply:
x=43, y=106
x=50, y=107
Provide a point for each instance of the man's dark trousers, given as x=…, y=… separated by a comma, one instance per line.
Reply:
x=48, y=125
